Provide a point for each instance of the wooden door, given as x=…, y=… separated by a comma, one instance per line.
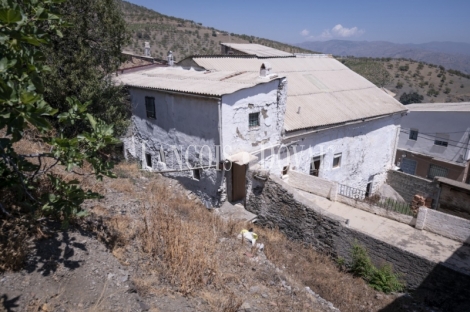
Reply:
x=238, y=182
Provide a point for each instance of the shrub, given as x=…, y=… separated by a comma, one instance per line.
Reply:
x=399, y=85
x=382, y=279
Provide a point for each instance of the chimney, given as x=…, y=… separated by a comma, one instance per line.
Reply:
x=147, y=49
x=265, y=70
x=170, y=59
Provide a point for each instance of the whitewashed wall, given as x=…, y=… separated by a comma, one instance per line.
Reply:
x=269, y=100
x=367, y=152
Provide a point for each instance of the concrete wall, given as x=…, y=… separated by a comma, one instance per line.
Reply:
x=428, y=124
x=312, y=184
x=269, y=100
x=278, y=205
x=367, y=151
x=454, y=201
x=444, y=224
x=408, y=185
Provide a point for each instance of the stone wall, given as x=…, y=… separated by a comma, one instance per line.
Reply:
x=408, y=186
x=279, y=205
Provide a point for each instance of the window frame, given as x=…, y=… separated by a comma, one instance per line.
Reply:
x=338, y=157
x=441, y=139
x=250, y=126
x=150, y=102
x=413, y=134
x=196, y=174
x=148, y=159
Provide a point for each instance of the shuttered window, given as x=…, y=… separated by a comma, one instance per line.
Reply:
x=150, y=107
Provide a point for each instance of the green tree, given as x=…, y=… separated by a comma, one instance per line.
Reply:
x=411, y=98
x=83, y=60
x=31, y=186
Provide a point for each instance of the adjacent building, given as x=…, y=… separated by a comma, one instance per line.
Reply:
x=435, y=141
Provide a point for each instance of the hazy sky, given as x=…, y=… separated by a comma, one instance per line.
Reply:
x=401, y=21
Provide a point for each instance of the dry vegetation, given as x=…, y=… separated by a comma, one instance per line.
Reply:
x=434, y=83
x=178, y=246
x=192, y=251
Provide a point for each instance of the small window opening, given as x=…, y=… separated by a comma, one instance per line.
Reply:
x=150, y=107
x=315, y=166
x=148, y=160
x=414, y=135
x=337, y=161
x=368, y=189
x=285, y=170
x=441, y=139
x=253, y=120
x=197, y=174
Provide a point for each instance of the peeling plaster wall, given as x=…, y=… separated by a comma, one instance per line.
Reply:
x=186, y=124
x=367, y=152
x=269, y=100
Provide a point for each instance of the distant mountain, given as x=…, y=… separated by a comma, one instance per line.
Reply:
x=451, y=55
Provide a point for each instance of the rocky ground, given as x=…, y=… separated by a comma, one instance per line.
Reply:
x=84, y=269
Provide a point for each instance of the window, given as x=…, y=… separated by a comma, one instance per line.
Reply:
x=148, y=160
x=285, y=170
x=436, y=171
x=253, y=120
x=197, y=174
x=150, y=107
x=441, y=139
x=413, y=135
x=337, y=160
x=315, y=166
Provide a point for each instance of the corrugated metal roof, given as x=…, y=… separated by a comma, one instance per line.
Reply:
x=216, y=83
x=257, y=49
x=440, y=107
x=326, y=91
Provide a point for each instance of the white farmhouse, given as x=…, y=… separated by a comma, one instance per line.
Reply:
x=435, y=141
x=268, y=108
x=338, y=125
x=188, y=123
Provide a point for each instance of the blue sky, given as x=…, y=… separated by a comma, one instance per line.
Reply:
x=400, y=21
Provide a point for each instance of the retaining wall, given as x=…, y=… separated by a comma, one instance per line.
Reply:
x=278, y=204
x=444, y=224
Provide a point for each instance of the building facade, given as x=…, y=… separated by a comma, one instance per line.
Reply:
x=435, y=141
x=225, y=114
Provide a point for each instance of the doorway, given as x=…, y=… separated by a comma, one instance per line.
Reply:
x=238, y=182
x=315, y=166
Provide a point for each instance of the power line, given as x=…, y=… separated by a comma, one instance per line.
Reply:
x=464, y=145
x=432, y=135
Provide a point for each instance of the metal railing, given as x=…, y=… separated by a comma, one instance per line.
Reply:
x=375, y=199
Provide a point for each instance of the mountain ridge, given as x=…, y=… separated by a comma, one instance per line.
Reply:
x=451, y=55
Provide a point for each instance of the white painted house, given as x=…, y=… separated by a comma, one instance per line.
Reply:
x=307, y=113
x=187, y=123
x=337, y=125
x=435, y=141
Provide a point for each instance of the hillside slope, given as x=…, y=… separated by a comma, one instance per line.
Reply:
x=434, y=83
x=183, y=37
x=450, y=55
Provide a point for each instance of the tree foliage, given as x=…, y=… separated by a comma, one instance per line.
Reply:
x=83, y=59
x=27, y=26
x=411, y=98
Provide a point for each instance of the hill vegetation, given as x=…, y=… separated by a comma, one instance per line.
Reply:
x=183, y=37
x=451, y=55
x=412, y=81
